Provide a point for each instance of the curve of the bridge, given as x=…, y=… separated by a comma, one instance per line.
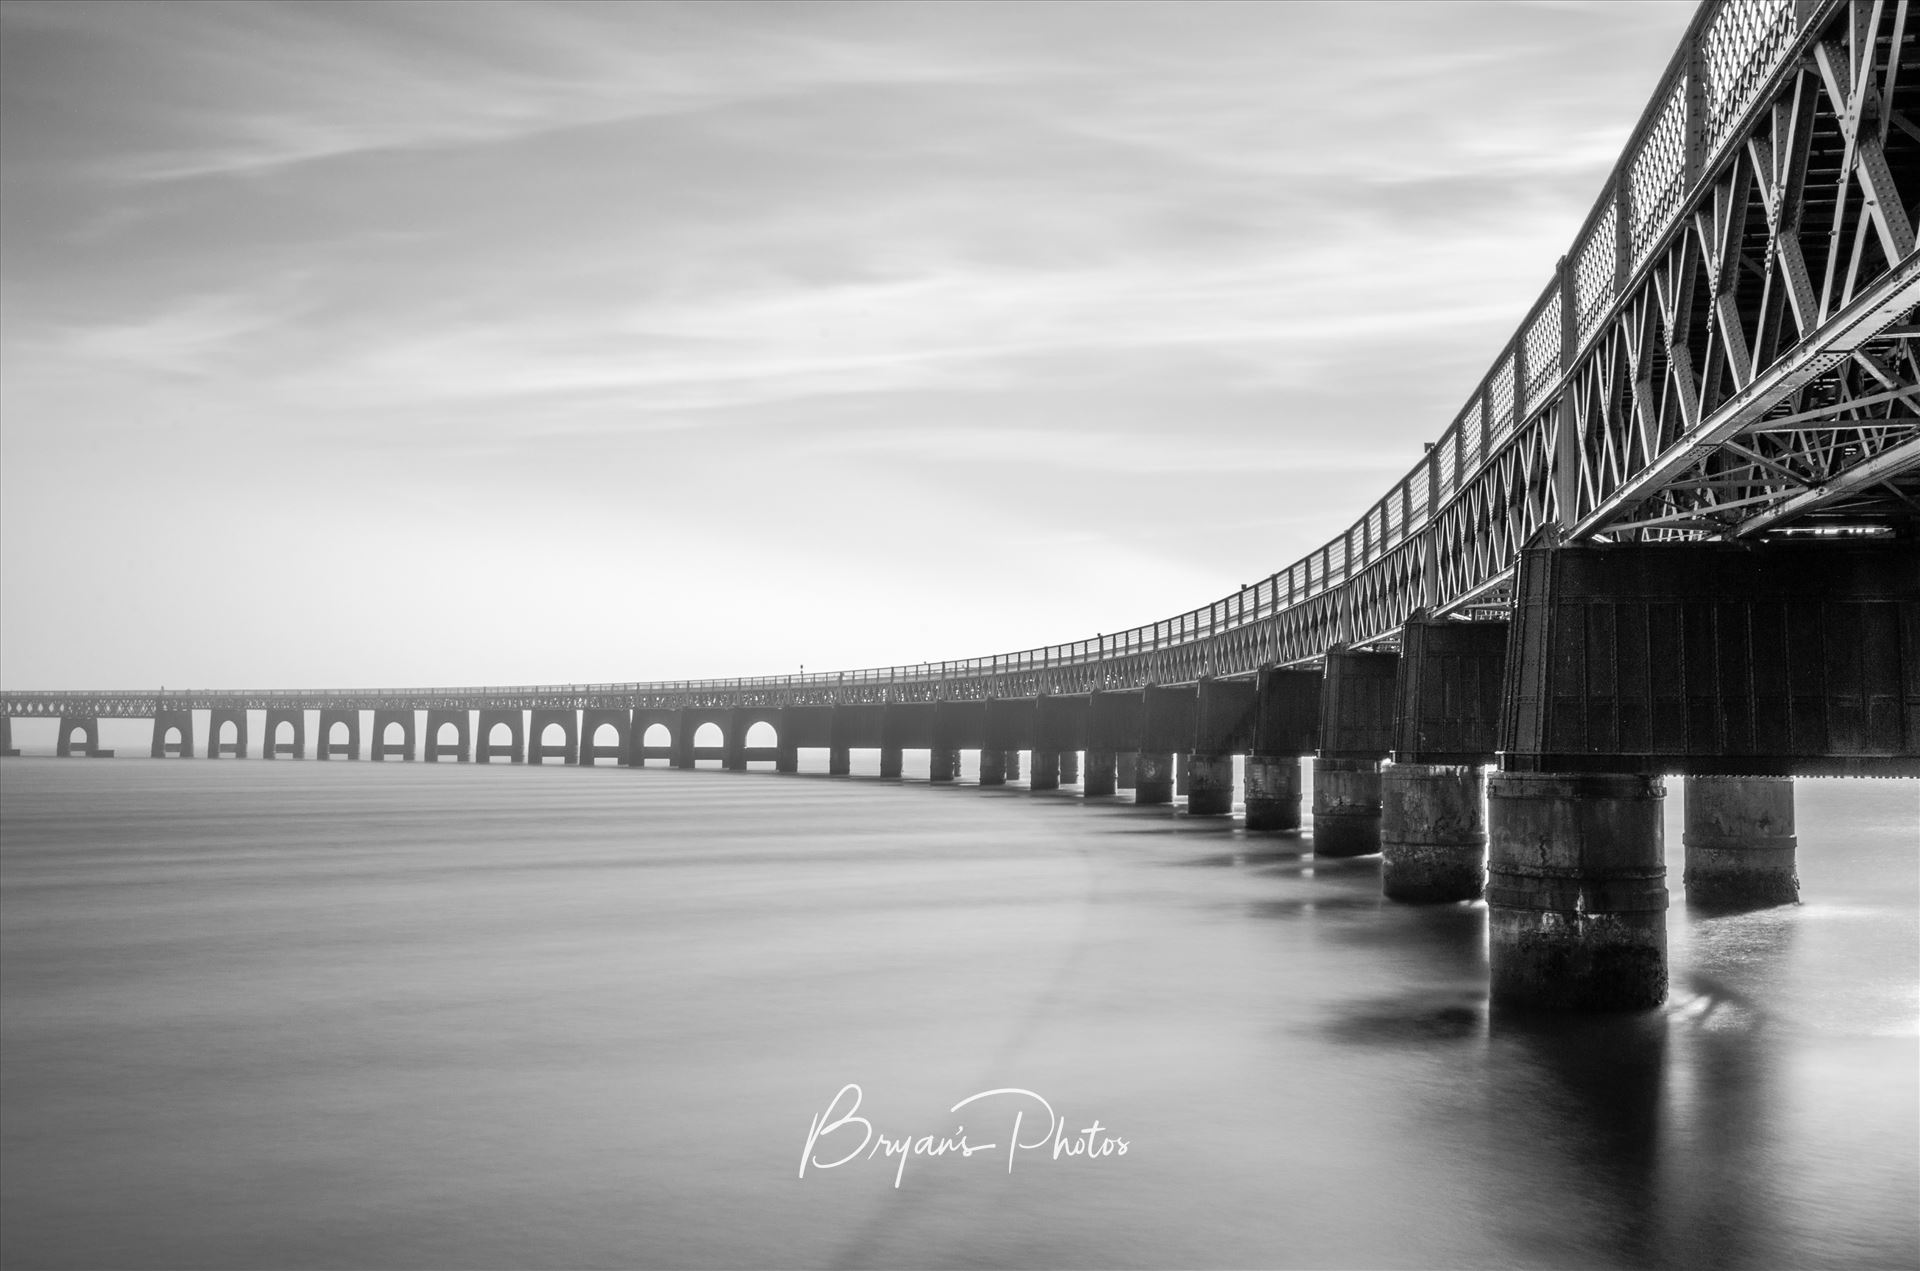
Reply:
x=1725, y=351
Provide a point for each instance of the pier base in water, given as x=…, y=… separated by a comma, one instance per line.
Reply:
x=1153, y=778
x=943, y=764
x=1273, y=792
x=1740, y=842
x=1346, y=807
x=1046, y=770
x=993, y=767
x=1576, y=891
x=1099, y=781
x=1209, y=785
x=1433, y=836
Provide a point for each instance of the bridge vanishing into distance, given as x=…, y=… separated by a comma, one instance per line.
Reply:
x=1672, y=531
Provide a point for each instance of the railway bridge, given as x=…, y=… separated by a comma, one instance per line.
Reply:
x=1671, y=532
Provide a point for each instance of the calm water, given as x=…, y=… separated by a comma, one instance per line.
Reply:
x=331, y=1015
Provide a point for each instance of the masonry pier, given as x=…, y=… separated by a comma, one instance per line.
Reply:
x=1740, y=842
x=592, y=720
x=1576, y=890
x=326, y=747
x=1223, y=727
x=382, y=721
x=272, y=747
x=1356, y=727
x=1447, y=686
x=1286, y=726
x=88, y=726
x=217, y=720
x=459, y=748
x=165, y=724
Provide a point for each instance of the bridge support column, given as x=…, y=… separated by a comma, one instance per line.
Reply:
x=485, y=748
x=438, y=719
x=1740, y=842
x=1013, y=764
x=1126, y=766
x=786, y=756
x=1209, y=785
x=839, y=761
x=1273, y=792
x=1182, y=778
x=238, y=746
x=7, y=748
x=592, y=720
x=943, y=764
x=1433, y=838
x=1153, y=778
x=1069, y=767
x=539, y=749
x=1046, y=771
x=163, y=723
x=1100, y=774
x=272, y=747
x=327, y=747
x=890, y=762
x=1576, y=890
x=382, y=720
x=89, y=728
x=1346, y=807
x=993, y=767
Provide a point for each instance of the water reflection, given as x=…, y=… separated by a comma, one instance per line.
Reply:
x=562, y=1018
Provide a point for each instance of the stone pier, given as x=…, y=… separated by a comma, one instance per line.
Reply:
x=1046, y=770
x=1069, y=767
x=993, y=766
x=943, y=764
x=1433, y=837
x=1576, y=890
x=1126, y=769
x=1346, y=807
x=1273, y=792
x=1100, y=776
x=1153, y=778
x=1209, y=785
x=839, y=761
x=1740, y=842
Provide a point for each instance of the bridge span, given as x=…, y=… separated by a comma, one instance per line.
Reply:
x=1671, y=531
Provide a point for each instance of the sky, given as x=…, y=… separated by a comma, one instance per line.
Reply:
x=389, y=345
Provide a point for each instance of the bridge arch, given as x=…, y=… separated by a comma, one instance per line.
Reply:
x=605, y=733
x=393, y=734
x=173, y=734
x=553, y=734
x=87, y=729
x=286, y=734
x=439, y=724
x=490, y=742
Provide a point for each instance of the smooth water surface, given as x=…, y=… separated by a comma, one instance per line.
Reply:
x=358, y=1015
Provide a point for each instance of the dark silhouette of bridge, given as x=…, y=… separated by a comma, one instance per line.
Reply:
x=1671, y=531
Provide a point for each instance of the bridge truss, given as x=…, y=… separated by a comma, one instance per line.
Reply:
x=1727, y=351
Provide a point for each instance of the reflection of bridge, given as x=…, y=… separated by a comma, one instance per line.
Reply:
x=1708, y=430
